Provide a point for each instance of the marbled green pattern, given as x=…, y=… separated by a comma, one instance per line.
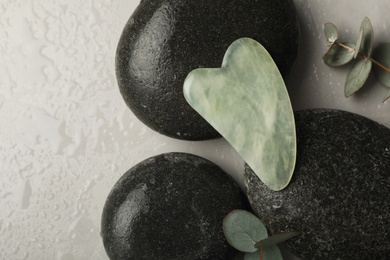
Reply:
x=246, y=100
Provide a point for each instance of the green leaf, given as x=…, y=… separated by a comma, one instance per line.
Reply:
x=330, y=32
x=367, y=37
x=338, y=55
x=381, y=54
x=242, y=229
x=358, y=44
x=276, y=239
x=269, y=253
x=247, y=102
x=357, y=76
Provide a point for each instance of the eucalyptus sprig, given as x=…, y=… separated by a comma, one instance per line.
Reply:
x=341, y=53
x=245, y=232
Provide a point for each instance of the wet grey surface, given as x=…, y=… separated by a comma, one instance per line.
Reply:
x=66, y=136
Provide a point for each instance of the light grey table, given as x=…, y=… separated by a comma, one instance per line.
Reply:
x=66, y=135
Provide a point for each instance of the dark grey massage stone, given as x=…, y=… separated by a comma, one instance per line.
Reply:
x=170, y=207
x=339, y=196
x=164, y=40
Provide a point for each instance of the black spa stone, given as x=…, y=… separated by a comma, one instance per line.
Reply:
x=170, y=207
x=339, y=196
x=166, y=39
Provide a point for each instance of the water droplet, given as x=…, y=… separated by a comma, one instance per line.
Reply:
x=27, y=192
x=277, y=204
x=386, y=152
x=50, y=196
x=25, y=256
x=56, y=207
x=57, y=217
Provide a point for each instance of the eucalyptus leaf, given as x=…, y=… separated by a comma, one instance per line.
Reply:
x=247, y=102
x=367, y=31
x=276, y=239
x=338, y=55
x=358, y=44
x=381, y=54
x=357, y=76
x=269, y=253
x=330, y=32
x=242, y=229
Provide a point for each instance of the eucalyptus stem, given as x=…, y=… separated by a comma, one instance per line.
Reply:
x=261, y=253
x=380, y=65
x=364, y=56
x=340, y=54
x=345, y=46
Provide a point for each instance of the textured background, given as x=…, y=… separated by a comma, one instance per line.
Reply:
x=66, y=135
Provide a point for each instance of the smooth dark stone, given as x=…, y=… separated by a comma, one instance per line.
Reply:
x=339, y=196
x=170, y=207
x=164, y=40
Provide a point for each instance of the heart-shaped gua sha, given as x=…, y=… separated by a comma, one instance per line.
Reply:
x=247, y=102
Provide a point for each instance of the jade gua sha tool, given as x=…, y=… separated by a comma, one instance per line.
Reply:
x=247, y=102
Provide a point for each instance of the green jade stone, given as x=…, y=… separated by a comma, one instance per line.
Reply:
x=247, y=102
